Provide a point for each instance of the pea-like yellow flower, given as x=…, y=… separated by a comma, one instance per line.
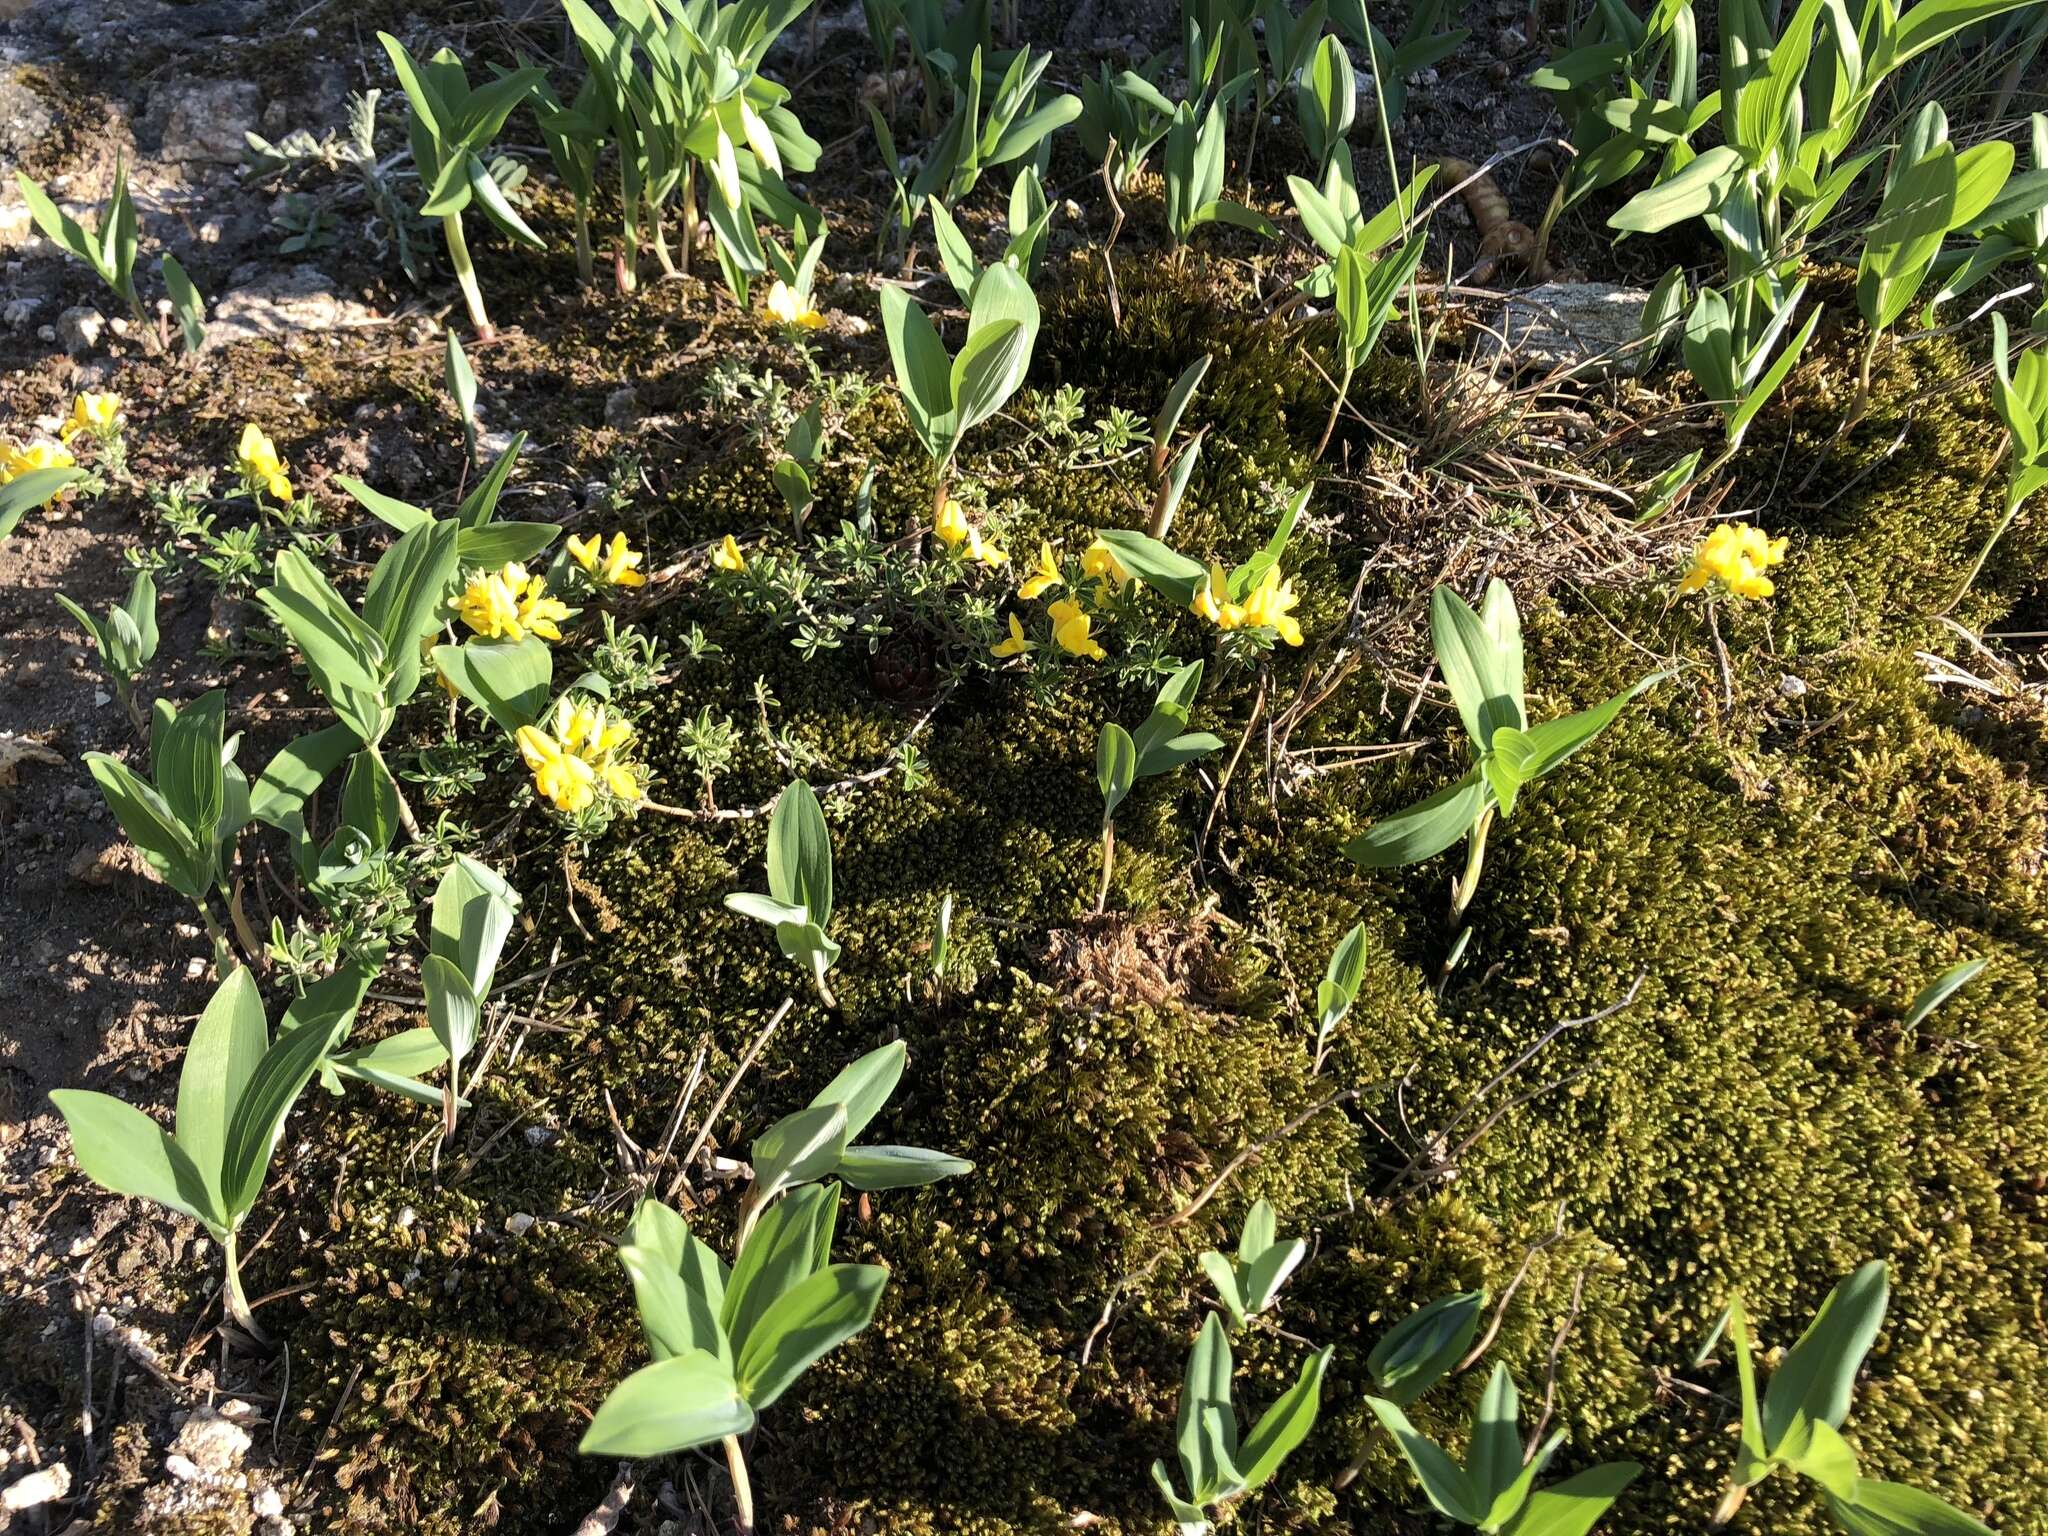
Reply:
x=540, y=614
x=1045, y=575
x=787, y=306
x=952, y=529
x=1736, y=555
x=1213, y=602
x=97, y=414
x=727, y=556
x=1271, y=604
x=616, y=566
x=509, y=604
x=562, y=778
x=18, y=460
x=1017, y=644
x=1100, y=561
x=579, y=754
x=1070, y=628
x=257, y=461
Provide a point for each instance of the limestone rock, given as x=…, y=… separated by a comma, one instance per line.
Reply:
x=1568, y=326
x=204, y=120
x=303, y=299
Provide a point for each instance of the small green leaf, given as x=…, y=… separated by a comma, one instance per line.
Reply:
x=121, y=1149
x=1420, y=1350
x=1942, y=988
x=672, y=1405
x=886, y=1167
x=815, y=1315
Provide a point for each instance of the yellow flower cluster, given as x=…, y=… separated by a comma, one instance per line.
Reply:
x=952, y=529
x=1736, y=555
x=17, y=460
x=257, y=462
x=616, y=566
x=791, y=308
x=578, y=756
x=98, y=415
x=509, y=604
x=1071, y=624
x=726, y=555
x=1269, y=605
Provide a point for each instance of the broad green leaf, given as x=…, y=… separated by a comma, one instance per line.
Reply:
x=1424, y=829
x=887, y=1167
x=299, y=769
x=800, y=853
x=310, y=1029
x=157, y=834
x=187, y=303
x=1701, y=187
x=185, y=755
x=509, y=681
x=396, y=1064
x=1892, y=1509
x=404, y=601
x=813, y=1316
x=1481, y=660
x=781, y=1250
x=672, y=1405
x=1285, y=1425
x=678, y=1318
x=1752, y=1463
x=1443, y=1480
x=798, y=1148
x=1494, y=1459
x=1205, y=1432
x=1827, y=1459
x=923, y=371
x=990, y=366
x=1173, y=576
x=1935, y=21
x=121, y=1149
x=1223, y=1276
x=1420, y=1350
x=481, y=504
x=24, y=493
x=1767, y=386
x=1553, y=741
x=472, y=915
x=1903, y=240
x=765, y=909
x=1341, y=977
x=1116, y=766
x=1818, y=1374
x=389, y=510
x=227, y=1043
x=1508, y=1501
x=863, y=1086
x=453, y=1010
x=1573, y=1506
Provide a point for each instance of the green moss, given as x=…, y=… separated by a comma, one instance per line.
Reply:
x=1782, y=876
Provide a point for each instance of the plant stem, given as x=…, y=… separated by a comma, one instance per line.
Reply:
x=1731, y=1501
x=668, y=266
x=586, y=269
x=1108, y=862
x=689, y=212
x=465, y=276
x=136, y=717
x=742, y=1489
x=1475, y=860
x=405, y=816
x=818, y=975
x=223, y=952
x=1337, y=405
x=234, y=1302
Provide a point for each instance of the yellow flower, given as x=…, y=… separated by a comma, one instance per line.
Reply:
x=1100, y=561
x=256, y=458
x=1270, y=605
x=1070, y=629
x=1044, y=575
x=18, y=461
x=950, y=526
x=613, y=567
x=538, y=613
x=96, y=414
x=1736, y=555
x=1213, y=601
x=786, y=306
x=1017, y=644
x=727, y=556
x=563, y=779
x=489, y=605
x=579, y=754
